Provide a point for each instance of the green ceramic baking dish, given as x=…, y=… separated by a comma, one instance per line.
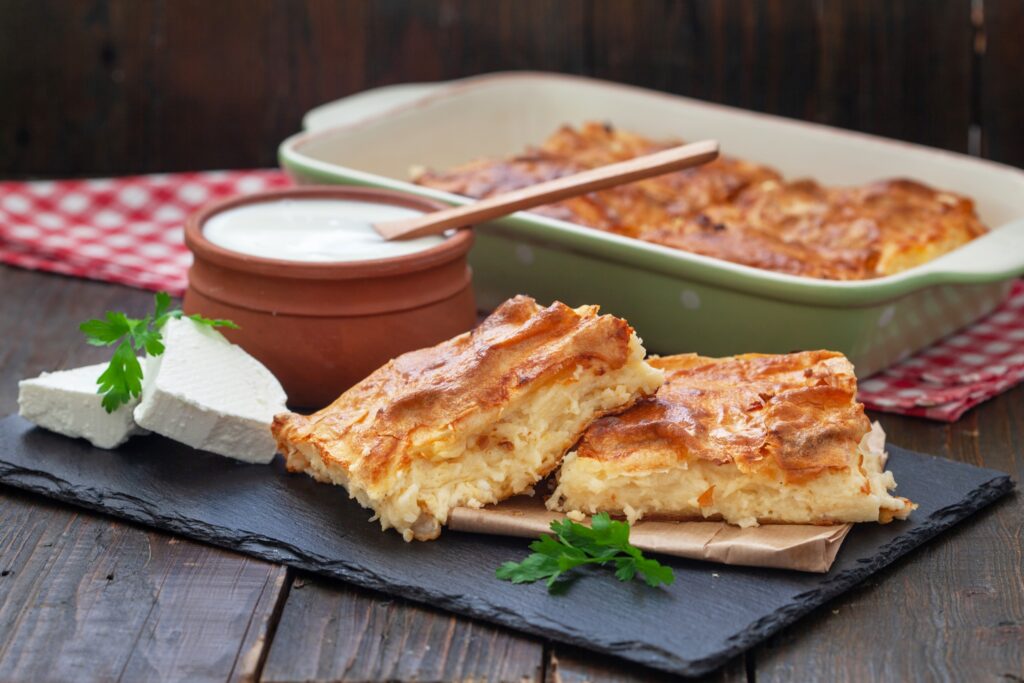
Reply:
x=677, y=301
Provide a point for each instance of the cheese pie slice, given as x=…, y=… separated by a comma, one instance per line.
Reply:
x=473, y=420
x=746, y=439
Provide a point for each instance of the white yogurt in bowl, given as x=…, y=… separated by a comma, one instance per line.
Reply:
x=312, y=230
x=319, y=298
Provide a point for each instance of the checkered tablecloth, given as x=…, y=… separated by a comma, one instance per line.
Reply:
x=957, y=373
x=124, y=230
x=129, y=231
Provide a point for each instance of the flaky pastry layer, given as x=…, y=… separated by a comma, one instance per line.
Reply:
x=473, y=420
x=736, y=210
x=748, y=439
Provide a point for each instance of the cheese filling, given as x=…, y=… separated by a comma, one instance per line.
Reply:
x=498, y=454
x=699, y=489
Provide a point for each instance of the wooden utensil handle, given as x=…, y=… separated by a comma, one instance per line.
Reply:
x=600, y=178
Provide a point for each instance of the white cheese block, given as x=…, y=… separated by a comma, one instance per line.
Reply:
x=66, y=402
x=210, y=394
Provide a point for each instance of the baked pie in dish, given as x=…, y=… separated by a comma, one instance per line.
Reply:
x=736, y=210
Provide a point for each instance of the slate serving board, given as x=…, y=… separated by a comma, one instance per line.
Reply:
x=690, y=628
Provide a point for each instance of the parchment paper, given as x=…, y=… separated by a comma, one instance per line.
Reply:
x=801, y=547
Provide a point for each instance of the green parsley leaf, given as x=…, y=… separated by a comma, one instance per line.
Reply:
x=108, y=331
x=654, y=572
x=150, y=340
x=533, y=568
x=213, y=322
x=162, y=303
x=605, y=541
x=122, y=379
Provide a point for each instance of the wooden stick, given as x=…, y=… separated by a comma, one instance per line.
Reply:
x=619, y=173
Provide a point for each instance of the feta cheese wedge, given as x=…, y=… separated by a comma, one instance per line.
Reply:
x=210, y=394
x=66, y=402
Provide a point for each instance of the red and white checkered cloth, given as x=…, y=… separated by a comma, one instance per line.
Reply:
x=124, y=230
x=129, y=231
x=947, y=379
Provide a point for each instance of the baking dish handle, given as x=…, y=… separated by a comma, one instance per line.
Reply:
x=999, y=255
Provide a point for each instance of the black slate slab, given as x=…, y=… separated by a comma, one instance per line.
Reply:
x=690, y=628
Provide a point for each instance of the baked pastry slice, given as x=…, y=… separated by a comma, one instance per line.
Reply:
x=473, y=420
x=747, y=439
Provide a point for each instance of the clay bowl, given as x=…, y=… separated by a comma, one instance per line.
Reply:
x=322, y=327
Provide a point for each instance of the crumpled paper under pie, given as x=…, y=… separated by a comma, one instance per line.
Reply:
x=802, y=547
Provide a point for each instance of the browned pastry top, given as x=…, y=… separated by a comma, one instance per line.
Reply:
x=849, y=233
x=736, y=210
x=793, y=414
x=400, y=410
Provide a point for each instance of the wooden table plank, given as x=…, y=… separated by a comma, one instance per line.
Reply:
x=87, y=598
x=571, y=665
x=867, y=65
x=252, y=653
x=159, y=86
x=332, y=632
x=1001, y=80
x=952, y=610
x=84, y=597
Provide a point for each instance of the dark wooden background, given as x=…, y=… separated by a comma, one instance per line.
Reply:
x=93, y=87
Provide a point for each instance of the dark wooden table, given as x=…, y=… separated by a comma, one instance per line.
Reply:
x=87, y=597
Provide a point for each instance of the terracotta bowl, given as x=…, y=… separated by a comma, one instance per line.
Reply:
x=322, y=327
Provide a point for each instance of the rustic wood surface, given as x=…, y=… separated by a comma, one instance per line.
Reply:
x=119, y=86
x=1000, y=78
x=86, y=597
x=333, y=632
x=569, y=665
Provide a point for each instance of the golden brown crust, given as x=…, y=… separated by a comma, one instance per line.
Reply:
x=850, y=233
x=517, y=348
x=624, y=210
x=483, y=178
x=737, y=210
x=793, y=414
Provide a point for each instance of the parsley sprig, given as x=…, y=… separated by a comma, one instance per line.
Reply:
x=605, y=541
x=122, y=380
